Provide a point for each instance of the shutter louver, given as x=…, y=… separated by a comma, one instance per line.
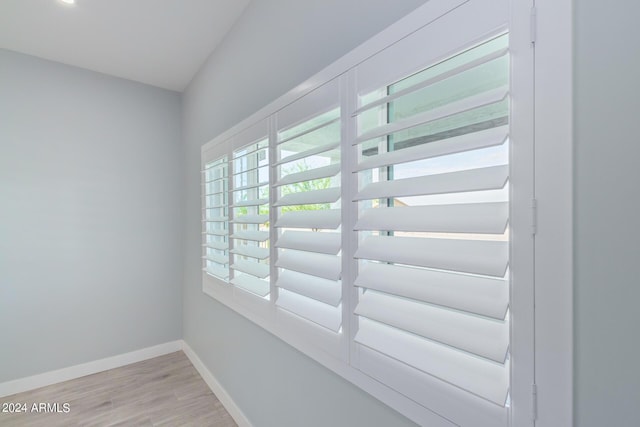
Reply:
x=326, y=243
x=250, y=222
x=309, y=217
x=328, y=219
x=216, y=243
x=433, y=214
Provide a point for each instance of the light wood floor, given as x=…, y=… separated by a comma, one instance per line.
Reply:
x=165, y=391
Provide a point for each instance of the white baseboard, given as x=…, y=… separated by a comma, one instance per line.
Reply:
x=36, y=381
x=239, y=417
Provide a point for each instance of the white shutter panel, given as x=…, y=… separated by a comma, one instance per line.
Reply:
x=433, y=213
x=215, y=218
x=309, y=215
x=250, y=222
x=409, y=152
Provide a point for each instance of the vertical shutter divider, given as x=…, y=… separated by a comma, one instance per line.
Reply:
x=348, y=98
x=230, y=214
x=272, y=127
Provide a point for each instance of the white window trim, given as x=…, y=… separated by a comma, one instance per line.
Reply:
x=554, y=192
x=550, y=24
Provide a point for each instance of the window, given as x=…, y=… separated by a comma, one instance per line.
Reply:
x=308, y=212
x=216, y=219
x=374, y=222
x=250, y=222
x=433, y=244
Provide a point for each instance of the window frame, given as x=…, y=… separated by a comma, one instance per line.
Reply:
x=551, y=323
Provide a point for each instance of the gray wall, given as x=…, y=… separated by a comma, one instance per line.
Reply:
x=607, y=229
x=274, y=46
x=90, y=223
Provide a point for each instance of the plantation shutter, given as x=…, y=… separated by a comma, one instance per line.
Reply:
x=433, y=239
x=308, y=202
x=379, y=222
x=250, y=209
x=215, y=218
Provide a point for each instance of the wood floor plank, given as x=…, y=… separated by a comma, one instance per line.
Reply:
x=164, y=391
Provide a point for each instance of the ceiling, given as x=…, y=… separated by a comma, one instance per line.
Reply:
x=158, y=42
